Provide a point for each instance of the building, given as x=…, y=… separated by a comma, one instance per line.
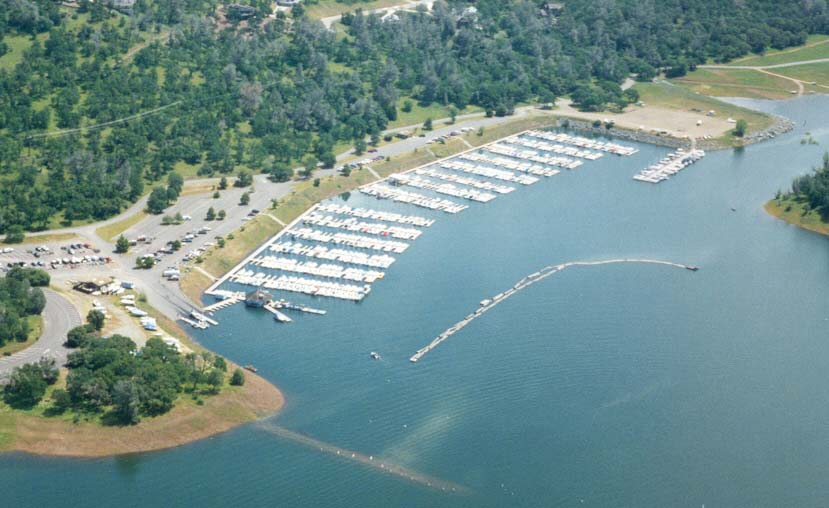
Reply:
x=288, y=3
x=240, y=12
x=122, y=5
x=257, y=298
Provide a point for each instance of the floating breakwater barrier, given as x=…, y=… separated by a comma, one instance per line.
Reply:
x=342, y=255
x=413, y=198
x=471, y=182
x=441, y=188
x=371, y=228
x=361, y=242
x=582, y=142
x=366, y=213
x=328, y=270
x=672, y=164
x=524, y=283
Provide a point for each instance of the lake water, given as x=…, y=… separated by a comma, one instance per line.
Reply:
x=623, y=385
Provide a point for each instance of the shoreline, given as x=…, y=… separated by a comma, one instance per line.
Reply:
x=186, y=423
x=794, y=217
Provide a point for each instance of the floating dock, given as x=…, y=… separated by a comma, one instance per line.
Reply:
x=370, y=228
x=360, y=242
x=582, y=142
x=328, y=270
x=385, y=192
x=366, y=213
x=413, y=180
x=672, y=164
x=341, y=255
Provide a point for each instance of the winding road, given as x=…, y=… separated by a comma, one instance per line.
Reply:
x=59, y=316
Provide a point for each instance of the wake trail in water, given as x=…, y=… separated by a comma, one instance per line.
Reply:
x=366, y=460
x=526, y=282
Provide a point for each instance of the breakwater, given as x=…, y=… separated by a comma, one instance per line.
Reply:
x=524, y=283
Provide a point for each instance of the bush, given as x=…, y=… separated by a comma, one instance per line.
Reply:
x=27, y=384
x=238, y=378
x=14, y=234
x=96, y=319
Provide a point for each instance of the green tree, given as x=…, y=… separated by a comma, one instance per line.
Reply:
x=122, y=245
x=740, y=128
x=243, y=180
x=222, y=214
x=223, y=183
x=216, y=195
x=360, y=146
x=427, y=125
x=96, y=319
x=215, y=378
x=25, y=388
x=245, y=199
x=176, y=245
x=157, y=201
x=407, y=106
x=238, y=378
x=126, y=402
x=316, y=182
x=14, y=234
x=211, y=214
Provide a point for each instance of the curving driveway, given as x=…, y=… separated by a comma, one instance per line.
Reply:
x=59, y=316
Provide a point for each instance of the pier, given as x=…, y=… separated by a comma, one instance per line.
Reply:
x=582, y=142
x=487, y=171
x=342, y=255
x=490, y=303
x=361, y=242
x=371, y=228
x=471, y=182
x=365, y=213
x=328, y=270
x=441, y=188
x=515, y=163
x=303, y=285
x=412, y=198
x=672, y=164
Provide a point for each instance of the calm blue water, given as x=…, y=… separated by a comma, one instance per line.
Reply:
x=623, y=385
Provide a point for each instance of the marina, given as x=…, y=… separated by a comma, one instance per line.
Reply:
x=485, y=171
x=371, y=228
x=517, y=164
x=672, y=164
x=471, y=182
x=582, y=142
x=365, y=213
x=342, y=255
x=303, y=285
x=441, y=188
x=330, y=271
x=533, y=147
x=412, y=198
x=361, y=242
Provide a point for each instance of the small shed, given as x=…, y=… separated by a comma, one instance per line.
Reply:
x=258, y=298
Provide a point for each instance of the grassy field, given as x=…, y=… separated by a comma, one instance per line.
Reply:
x=35, y=329
x=817, y=46
x=671, y=96
x=111, y=231
x=326, y=8
x=419, y=114
x=791, y=210
x=737, y=83
x=817, y=73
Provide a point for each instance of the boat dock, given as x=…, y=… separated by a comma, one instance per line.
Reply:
x=371, y=228
x=366, y=213
x=221, y=304
x=283, y=304
x=282, y=318
x=201, y=325
x=538, y=144
x=303, y=285
x=517, y=164
x=487, y=171
x=384, y=192
x=328, y=270
x=441, y=188
x=342, y=255
x=672, y=164
x=471, y=182
x=360, y=242
x=582, y=142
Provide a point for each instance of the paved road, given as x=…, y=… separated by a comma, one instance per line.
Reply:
x=59, y=317
x=775, y=66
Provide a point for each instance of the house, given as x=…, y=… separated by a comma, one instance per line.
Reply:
x=240, y=12
x=124, y=6
x=257, y=298
x=288, y=3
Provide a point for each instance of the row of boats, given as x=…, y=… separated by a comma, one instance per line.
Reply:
x=672, y=164
x=328, y=270
x=303, y=285
x=342, y=255
x=353, y=224
x=582, y=142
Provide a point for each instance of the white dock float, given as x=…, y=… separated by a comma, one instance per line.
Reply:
x=441, y=188
x=367, y=213
x=412, y=198
x=360, y=242
x=371, y=228
x=341, y=255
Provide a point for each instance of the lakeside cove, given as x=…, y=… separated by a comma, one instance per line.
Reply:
x=620, y=364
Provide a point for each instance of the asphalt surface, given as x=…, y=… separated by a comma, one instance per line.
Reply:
x=59, y=316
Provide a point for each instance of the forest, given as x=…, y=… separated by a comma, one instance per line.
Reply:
x=20, y=297
x=813, y=189
x=97, y=106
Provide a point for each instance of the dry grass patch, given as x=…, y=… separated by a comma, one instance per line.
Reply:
x=111, y=231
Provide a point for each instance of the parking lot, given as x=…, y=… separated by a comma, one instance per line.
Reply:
x=61, y=255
